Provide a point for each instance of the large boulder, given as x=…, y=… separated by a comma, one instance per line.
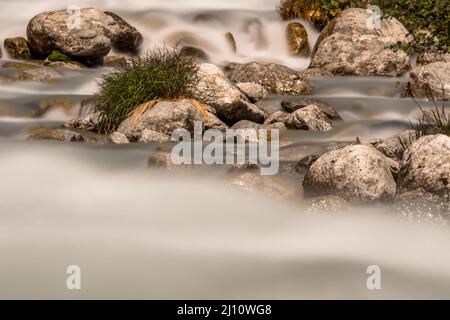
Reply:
x=347, y=46
x=357, y=173
x=273, y=77
x=17, y=48
x=167, y=116
x=431, y=81
x=426, y=167
x=229, y=102
x=99, y=31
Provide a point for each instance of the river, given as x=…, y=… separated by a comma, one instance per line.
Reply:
x=141, y=233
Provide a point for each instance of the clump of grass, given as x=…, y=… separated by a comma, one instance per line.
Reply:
x=162, y=74
x=58, y=56
x=428, y=21
x=433, y=121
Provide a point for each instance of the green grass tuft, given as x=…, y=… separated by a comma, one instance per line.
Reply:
x=163, y=73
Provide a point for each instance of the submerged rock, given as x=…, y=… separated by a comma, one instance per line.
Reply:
x=426, y=167
x=42, y=74
x=20, y=65
x=309, y=118
x=98, y=33
x=17, y=48
x=228, y=101
x=327, y=205
x=253, y=91
x=348, y=47
x=63, y=135
x=271, y=186
x=274, y=78
x=357, y=173
x=431, y=81
x=297, y=39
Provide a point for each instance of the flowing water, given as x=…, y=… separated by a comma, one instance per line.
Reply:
x=141, y=233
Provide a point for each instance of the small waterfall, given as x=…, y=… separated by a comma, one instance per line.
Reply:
x=258, y=30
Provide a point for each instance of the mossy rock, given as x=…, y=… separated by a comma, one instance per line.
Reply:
x=417, y=16
x=58, y=56
x=297, y=39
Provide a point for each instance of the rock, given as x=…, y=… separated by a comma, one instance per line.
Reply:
x=327, y=205
x=17, y=48
x=150, y=136
x=167, y=116
x=297, y=39
x=309, y=118
x=394, y=146
x=195, y=53
x=88, y=122
x=63, y=135
x=98, y=32
x=63, y=104
x=20, y=65
x=276, y=117
x=124, y=37
x=230, y=104
x=427, y=210
x=118, y=138
x=248, y=125
x=63, y=66
x=5, y=80
x=163, y=160
x=245, y=124
x=229, y=38
x=253, y=91
x=114, y=61
x=432, y=57
x=315, y=73
x=324, y=107
x=357, y=173
x=348, y=47
x=43, y=74
x=305, y=163
x=271, y=186
x=274, y=78
x=426, y=167
x=431, y=81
